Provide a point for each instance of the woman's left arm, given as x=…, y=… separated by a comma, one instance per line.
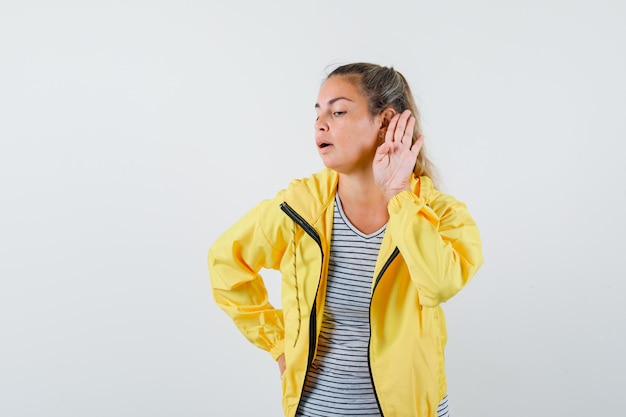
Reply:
x=439, y=242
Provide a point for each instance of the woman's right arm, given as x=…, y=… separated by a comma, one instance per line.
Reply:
x=256, y=241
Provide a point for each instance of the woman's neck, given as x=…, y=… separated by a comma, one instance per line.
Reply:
x=359, y=189
x=363, y=202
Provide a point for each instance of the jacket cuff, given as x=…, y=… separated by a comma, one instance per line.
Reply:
x=278, y=349
x=409, y=200
x=401, y=198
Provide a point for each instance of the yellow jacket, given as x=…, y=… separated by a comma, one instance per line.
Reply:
x=430, y=250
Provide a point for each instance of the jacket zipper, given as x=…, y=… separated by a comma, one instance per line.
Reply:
x=310, y=230
x=393, y=256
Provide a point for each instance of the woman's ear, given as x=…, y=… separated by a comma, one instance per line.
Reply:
x=387, y=115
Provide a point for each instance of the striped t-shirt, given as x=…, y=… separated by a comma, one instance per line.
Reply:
x=338, y=382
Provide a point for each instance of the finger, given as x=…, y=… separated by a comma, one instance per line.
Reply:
x=407, y=139
x=391, y=128
x=417, y=146
x=382, y=151
x=401, y=125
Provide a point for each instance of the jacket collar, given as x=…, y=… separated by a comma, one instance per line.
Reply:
x=311, y=196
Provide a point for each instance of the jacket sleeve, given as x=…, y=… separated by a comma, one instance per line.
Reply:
x=439, y=241
x=235, y=260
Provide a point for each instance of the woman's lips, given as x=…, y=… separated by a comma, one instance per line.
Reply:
x=324, y=147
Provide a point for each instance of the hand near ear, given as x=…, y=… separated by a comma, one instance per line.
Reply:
x=395, y=158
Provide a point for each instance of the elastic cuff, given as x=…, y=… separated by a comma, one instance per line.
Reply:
x=277, y=350
x=408, y=199
x=401, y=198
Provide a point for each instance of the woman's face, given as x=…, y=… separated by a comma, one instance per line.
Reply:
x=346, y=134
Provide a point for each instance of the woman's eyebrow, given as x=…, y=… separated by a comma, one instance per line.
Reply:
x=332, y=100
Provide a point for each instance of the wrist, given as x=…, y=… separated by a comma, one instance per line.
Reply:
x=391, y=193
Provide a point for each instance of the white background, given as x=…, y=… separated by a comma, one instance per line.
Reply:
x=134, y=133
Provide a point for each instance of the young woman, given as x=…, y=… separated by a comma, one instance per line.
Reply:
x=368, y=249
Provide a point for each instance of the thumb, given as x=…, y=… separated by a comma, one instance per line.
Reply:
x=382, y=151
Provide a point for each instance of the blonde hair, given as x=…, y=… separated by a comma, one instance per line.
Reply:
x=384, y=87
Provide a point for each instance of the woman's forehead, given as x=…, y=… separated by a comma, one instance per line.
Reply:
x=337, y=87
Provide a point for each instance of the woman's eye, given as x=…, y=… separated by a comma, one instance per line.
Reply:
x=339, y=113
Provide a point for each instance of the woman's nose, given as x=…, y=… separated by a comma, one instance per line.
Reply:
x=320, y=124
